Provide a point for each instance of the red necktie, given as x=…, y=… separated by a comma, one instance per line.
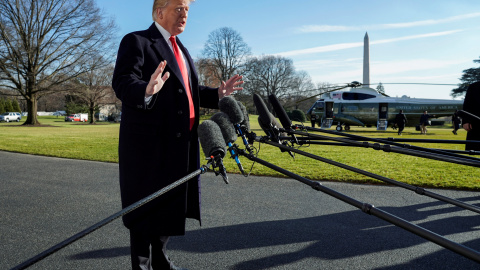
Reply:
x=183, y=69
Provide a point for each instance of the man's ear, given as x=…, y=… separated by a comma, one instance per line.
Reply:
x=159, y=13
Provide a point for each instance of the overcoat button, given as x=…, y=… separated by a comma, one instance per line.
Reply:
x=179, y=135
x=180, y=90
x=180, y=112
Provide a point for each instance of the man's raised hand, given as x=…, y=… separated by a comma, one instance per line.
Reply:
x=157, y=80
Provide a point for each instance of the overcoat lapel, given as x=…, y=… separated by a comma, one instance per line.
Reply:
x=161, y=47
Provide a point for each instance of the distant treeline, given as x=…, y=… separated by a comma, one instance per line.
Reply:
x=9, y=105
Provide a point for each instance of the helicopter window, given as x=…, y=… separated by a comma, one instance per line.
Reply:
x=356, y=96
x=319, y=105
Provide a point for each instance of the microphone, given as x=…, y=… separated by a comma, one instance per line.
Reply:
x=280, y=111
x=230, y=107
x=282, y=115
x=246, y=121
x=229, y=135
x=245, y=125
x=267, y=122
x=213, y=146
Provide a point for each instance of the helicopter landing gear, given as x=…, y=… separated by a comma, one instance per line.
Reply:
x=340, y=128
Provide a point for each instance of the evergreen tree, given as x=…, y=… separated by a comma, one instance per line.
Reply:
x=8, y=105
x=2, y=105
x=381, y=89
x=469, y=76
x=16, y=106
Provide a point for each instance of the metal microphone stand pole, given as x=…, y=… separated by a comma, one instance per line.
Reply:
x=391, y=142
x=388, y=148
x=111, y=218
x=417, y=190
x=323, y=141
x=371, y=210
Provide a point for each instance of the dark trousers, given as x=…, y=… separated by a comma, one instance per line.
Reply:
x=148, y=252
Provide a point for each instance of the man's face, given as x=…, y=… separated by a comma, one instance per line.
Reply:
x=173, y=17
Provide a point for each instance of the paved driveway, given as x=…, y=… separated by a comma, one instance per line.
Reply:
x=252, y=223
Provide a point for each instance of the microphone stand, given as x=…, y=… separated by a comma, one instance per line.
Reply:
x=411, y=150
x=217, y=162
x=113, y=217
x=418, y=190
x=390, y=141
x=372, y=210
x=308, y=140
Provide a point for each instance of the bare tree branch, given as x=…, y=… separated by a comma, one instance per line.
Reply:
x=226, y=52
x=46, y=43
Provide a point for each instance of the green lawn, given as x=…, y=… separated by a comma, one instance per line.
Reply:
x=99, y=142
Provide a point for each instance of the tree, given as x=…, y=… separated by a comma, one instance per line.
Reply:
x=8, y=105
x=381, y=89
x=46, y=43
x=469, y=76
x=2, y=105
x=302, y=88
x=93, y=87
x=226, y=52
x=15, y=106
x=73, y=105
x=276, y=75
x=270, y=75
x=207, y=72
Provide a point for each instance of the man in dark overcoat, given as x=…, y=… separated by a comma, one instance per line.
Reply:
x=401, y=120
x=471, y=104
x=158, y=132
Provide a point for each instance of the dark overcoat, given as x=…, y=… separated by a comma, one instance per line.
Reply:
x=471, y=104
x=156, y=145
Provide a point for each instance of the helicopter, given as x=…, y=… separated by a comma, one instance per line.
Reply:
x=363, y=106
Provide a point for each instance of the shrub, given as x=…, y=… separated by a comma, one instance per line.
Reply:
x=297, y=115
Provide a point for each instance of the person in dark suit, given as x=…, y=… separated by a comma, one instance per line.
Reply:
x=401, y=120
x=156, y=80
x=456, y=122
x=471, y=105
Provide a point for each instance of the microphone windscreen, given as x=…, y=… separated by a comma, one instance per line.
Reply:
x=246, y=119
x=229, y=106
x=211, y=139
x=263, y=113
x=270, y=126
x=226, y=127
x=264, y=125
x=280, y=111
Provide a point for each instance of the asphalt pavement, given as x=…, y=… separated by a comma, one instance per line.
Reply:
x=252, y=223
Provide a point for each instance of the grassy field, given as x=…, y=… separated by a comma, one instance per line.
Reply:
x=99, y=143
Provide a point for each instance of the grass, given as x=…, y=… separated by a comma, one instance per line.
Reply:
x=99, y=142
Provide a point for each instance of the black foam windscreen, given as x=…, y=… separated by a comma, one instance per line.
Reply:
x=211, y=139
x=263, y=113
x=229, y=106
x=270, y=127
x=246, y=119
x=280, y=111
x=226, y=126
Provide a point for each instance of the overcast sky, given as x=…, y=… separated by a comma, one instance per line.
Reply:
x=411, y=41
